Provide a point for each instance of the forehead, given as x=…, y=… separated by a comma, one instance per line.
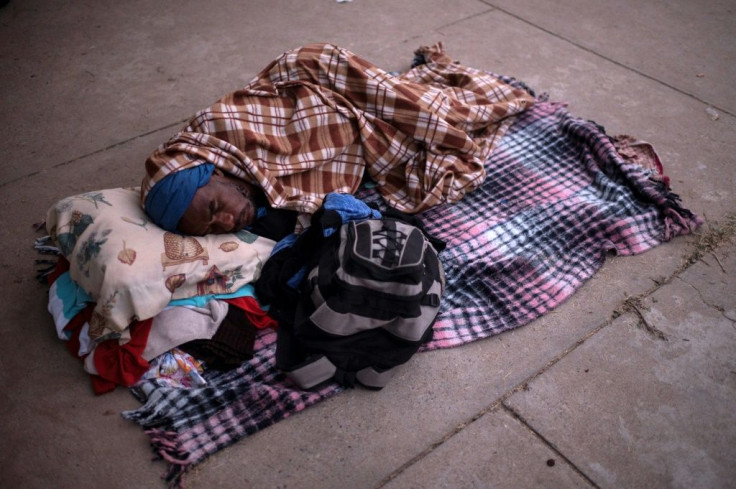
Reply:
x=196, y=218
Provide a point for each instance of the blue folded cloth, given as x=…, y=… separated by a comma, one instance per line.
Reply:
x=349, y=208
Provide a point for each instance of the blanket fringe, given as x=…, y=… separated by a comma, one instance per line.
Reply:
x=166, y=446
x=430, y=54
x=45, y=267
x=656, y=185
x=628, y=159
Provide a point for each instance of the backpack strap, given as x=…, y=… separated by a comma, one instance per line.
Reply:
x=315, y=371
x=319, y=369
x=437, y=243
x=373, y=379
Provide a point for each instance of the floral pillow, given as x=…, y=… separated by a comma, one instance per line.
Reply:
x=133, y=269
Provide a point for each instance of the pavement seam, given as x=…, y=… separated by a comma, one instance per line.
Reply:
x=182, y=121
x=491, y=407
x=524, y=385
x=717, y=235
x=92, y=153
x=460, y=427
x=609, y=59
x=518, y=417
x=472, y=16
x=449, y=24
x=437, y=29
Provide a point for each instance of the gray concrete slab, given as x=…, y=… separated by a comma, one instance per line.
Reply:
x=494, y=451
x=632, y=410
x=687, y=45
x=111, y=81
x=55, y=431
x=446, y=388
x=85, y=76
x=695, y=150
x=714, y=282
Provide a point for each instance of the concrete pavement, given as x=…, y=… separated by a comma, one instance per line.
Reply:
x=631, y=383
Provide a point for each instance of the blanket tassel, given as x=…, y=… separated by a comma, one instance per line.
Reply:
x=166, y=447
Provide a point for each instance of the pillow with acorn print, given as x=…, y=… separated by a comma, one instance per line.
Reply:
x=133, y=269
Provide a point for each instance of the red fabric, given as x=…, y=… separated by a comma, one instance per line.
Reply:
x=74, y=326
x=101, y=386
x=121, y=364
x=253, y=311
x=62, y=265
x=116, y=364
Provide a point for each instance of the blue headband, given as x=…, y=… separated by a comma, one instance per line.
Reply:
x=167, y=201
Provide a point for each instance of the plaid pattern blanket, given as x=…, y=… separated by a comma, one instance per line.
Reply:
x=558, y=197
x=318, y=116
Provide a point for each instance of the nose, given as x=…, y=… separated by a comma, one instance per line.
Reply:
x=223, y=221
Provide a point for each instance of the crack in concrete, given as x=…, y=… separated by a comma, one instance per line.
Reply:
x=717, y=235
x=718, y=260
x=518, y=417
x=718, y=308
x=634, y=304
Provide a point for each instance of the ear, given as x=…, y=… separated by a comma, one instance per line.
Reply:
x=219, y=172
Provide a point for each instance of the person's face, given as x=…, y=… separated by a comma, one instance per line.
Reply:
x=225, y=205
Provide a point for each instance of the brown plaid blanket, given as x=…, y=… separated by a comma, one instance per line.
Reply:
x=315, y=119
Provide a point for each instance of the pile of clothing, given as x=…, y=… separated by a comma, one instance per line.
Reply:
x=214, y=331
x=174, y=346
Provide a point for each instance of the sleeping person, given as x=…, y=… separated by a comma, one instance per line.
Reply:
x=318, y=120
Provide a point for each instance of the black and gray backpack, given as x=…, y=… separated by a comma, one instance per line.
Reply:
x=368, y=302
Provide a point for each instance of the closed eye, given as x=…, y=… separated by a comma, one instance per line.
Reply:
x=211, y=217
